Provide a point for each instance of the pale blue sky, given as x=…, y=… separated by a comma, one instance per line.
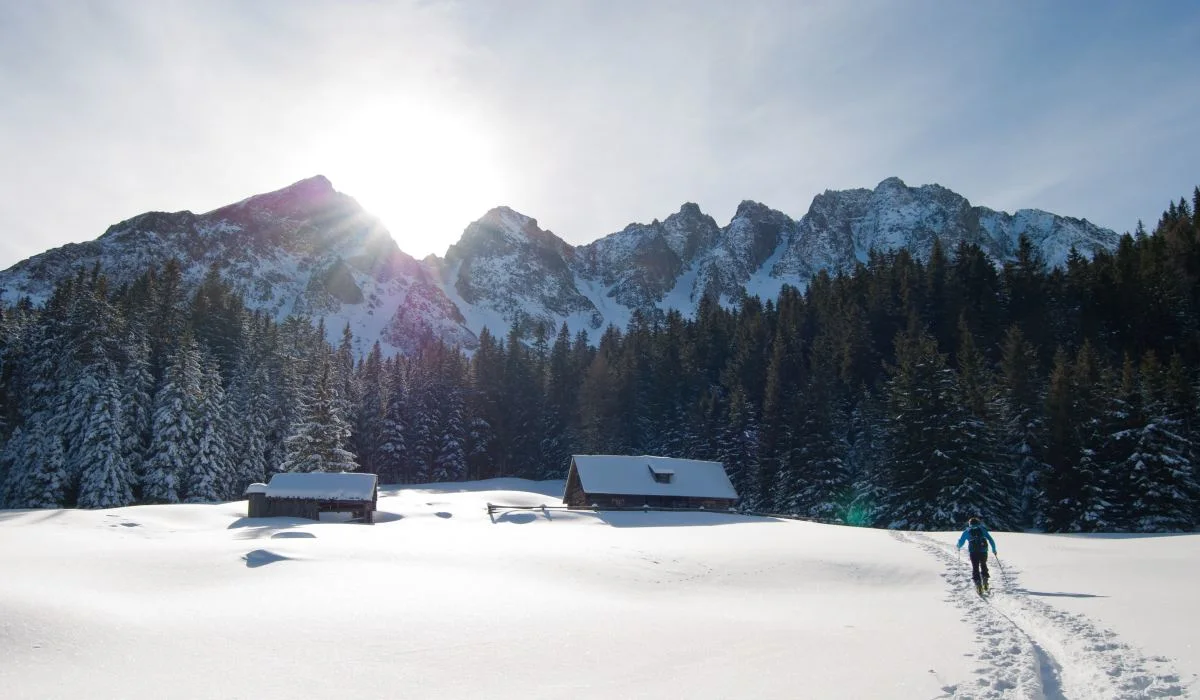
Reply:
x=587, y=115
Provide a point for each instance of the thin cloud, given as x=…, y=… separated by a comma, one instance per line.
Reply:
x=596, y=114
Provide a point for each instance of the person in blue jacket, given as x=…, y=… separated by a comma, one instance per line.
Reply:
x=978, y=538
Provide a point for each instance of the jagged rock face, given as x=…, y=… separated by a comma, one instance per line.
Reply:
x=504, y=264
x=746, y=244
x=842, y=227
x=824, y=239
x=307, y=249
x=1052, y=235
x=643, y=262
x=426, y=311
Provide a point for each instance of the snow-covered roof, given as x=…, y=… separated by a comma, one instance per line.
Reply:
x=256, y=488
x=325, y=485
x=634, y=476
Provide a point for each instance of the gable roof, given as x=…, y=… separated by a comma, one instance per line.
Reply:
x=634, y=476
x=341, y=486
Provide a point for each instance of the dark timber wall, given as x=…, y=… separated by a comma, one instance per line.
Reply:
x=310, y=508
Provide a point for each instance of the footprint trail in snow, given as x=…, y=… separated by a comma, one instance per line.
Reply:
x=1028, y=649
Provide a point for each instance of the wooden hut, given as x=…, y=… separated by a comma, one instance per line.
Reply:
x=307, y=495
x=256, y=494
x=612, y=481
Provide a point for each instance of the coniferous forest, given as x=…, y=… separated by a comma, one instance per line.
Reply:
x=905, y=393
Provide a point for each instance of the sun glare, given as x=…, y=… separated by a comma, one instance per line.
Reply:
x=426, y=171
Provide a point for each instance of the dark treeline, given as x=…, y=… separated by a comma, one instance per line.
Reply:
x=905, y=393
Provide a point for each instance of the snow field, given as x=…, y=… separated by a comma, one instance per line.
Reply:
x=440, y=601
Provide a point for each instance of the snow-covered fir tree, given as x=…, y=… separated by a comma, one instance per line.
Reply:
x=943, y=466
x=318, y=439
x=175, y=441
x=137, y=402
x=1021, y=420
x=106, y=476
x=393, y=440
x=819, y=455
x=1162, y=474
x=737, y=449
x=368, y=431
x=36, y=464
x=210, y=476
x=450, y=458
x=250, y=405
x=867, y=460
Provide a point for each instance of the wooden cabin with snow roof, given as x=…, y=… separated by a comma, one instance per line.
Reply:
x=307, y=495
x=618, y=481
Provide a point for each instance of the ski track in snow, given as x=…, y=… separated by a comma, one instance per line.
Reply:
x=1028, y=649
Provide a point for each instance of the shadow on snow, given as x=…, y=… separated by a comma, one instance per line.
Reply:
x=1046, y=594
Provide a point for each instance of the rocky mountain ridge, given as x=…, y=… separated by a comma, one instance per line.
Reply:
x=309, y=250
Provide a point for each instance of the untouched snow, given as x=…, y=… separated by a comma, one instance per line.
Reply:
x=612, y=311
x=683, y=296
x=440, y=601
x=766, y=286
x=476, y=318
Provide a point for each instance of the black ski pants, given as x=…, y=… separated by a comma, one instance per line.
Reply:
x=979, y=570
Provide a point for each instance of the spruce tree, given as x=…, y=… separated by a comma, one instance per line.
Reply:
x=737, y=449
x=1104, y=418
x=867, y=460
x=137, y=401
x=1161, y=467
x=485, y=406
x=318, y=439
x=1076, y=480
x=450, y=458
x=561, y=400
x=250, y=404
x=939, y=473
x=522, y=390
x=1022, y=423
x=1024, y=284
x=174, y=440
x=36, y=463
x=368, y=432
x=773, y=484
x=819, y=452
x=393, y=446
x=423, y=439
x=349, y=390
x=600, y=399
x=107, y=477
x=210, y=476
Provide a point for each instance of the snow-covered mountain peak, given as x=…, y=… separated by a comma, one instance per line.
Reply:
x=748, y=208
x=690, y=231
x=297, y=199
x=504, y=218
x=506, y=269
x=503, y=231
x=308, y=249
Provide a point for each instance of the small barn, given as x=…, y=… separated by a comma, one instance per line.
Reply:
x=307, y=495
x=618, y=481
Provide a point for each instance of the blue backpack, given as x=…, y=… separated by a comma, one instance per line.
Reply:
x=977, y=540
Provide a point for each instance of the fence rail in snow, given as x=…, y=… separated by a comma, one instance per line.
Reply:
x=493, y=508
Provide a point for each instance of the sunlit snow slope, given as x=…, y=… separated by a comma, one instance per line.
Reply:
x=440, y=601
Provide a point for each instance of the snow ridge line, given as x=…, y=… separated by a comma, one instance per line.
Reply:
x=1075, y=657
